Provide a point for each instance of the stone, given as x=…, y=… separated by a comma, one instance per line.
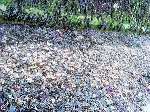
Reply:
x=29, y=79
x=55, y=75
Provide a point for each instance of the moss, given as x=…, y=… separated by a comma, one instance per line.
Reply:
x=95, y=22
x=126, y=26
x=34, y=10
x=5, y=2
x=3, y=7
x=119, y=21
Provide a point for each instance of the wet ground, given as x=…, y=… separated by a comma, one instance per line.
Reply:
x=45, y=70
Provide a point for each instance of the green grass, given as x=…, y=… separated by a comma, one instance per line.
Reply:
x=5, y=2
x=34, y=11
x=121, y=20
x=3, y=7
x=95, y=22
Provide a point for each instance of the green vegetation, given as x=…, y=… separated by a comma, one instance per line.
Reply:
x=5, y=2
x=34, y=11
x=136, y=20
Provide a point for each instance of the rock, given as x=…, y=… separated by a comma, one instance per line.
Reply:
x=45, y=75
x=12, y=109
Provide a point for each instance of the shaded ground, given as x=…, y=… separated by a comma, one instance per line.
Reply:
x=78, y=71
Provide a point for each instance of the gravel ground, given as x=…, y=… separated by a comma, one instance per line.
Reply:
x=42, y=70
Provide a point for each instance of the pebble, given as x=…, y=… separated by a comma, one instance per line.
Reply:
x=101, y=77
